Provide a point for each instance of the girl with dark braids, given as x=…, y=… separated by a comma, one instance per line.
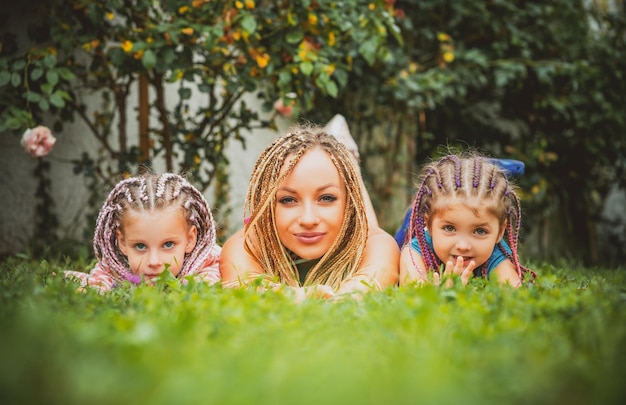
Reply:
x=149, y=224
x=306, y=228
x=465, y=221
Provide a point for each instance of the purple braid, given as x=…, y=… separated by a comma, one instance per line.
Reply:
x=418, y=224
x=493, y=178
x=152, y=192
x=514, y=215
x=477, y=167
x=457, y=172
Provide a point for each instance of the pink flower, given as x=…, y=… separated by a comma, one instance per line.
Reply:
x=38, y=141
x=133, y=278
x=285, y=110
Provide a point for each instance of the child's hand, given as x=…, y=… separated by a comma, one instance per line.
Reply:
x=458, y=269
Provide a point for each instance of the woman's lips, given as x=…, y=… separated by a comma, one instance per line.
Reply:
x=309, y=238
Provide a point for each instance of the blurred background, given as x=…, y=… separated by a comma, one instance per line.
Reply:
x=193, y=87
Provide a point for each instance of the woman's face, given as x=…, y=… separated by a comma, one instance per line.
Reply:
x=310, y=205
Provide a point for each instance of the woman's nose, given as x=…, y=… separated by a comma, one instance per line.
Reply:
x=309, y=215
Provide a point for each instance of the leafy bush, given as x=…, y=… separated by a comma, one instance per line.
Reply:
x=199, y=68
x=560, y=340
x=199, y=59
x=537, y=81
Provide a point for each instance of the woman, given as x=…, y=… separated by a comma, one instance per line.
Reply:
x=307, y=223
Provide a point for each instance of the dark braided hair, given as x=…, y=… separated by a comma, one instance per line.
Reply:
x=478, y=181
x=149, y=192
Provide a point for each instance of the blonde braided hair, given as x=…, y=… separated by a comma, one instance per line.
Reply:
x=261, y=235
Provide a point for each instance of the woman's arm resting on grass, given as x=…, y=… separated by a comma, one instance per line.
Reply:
x=237, y=266
x=379, y=266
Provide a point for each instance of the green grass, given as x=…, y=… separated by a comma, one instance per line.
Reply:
x=559, y=341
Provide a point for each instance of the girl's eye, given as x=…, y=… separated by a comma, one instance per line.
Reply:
x=328, y=198
x=481, y=231
x=168, y=245
x=286, y=200
x=140, y=246
x=448, y=228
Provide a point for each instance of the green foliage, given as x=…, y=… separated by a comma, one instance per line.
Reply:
x=537, y=81
x=200, y=58
x=560, y=340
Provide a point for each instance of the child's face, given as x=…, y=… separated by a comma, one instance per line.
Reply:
x=310, y=205
x=152, y=239
x=459, y=230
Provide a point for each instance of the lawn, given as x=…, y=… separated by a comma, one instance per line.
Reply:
x=561, y=340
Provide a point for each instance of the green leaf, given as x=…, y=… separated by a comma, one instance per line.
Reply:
x=248, y=23
x=341, y=76
x=295, y=37
x=57, y=100
x=284, y=79
x=52, y=77
x=65, y=73
x=44, y=105
x=36, y=73
x=331, y=88
x=50, y=61
x=306, y=68
x=368, y=50
x=184, y=93
x=149, y=59
x=5, y=77
x=139, y=46
x=33, y=97
x=169, y=56
x=13, y=123
x=19, y=64
x=117, y=56
x=64, y=94
x=16, y=79
x=47, y=88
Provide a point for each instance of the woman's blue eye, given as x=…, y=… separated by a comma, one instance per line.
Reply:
x=328, y=198
x=286, y=200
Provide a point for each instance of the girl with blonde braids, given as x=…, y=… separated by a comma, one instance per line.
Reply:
x=306, y=224
x=149, y=224
x=465, y=222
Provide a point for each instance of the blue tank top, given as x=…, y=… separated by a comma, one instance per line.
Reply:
x=494, y=260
